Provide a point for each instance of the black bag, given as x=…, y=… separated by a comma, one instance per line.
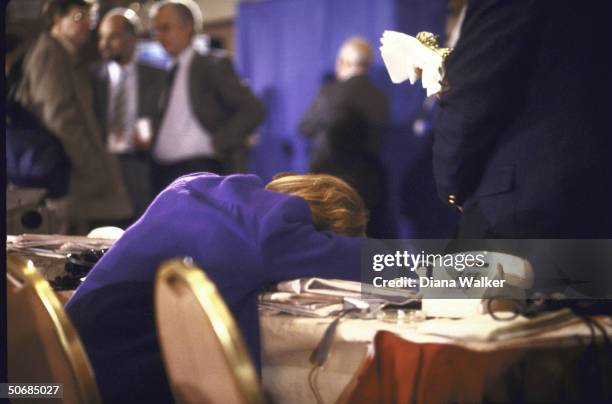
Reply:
x=34, y=157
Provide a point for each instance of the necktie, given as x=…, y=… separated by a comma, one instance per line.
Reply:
x=119, y=112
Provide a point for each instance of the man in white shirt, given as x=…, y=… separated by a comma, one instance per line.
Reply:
x=126, y=94
x=206, y=112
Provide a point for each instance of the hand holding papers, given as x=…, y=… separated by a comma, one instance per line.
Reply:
x=407, y=58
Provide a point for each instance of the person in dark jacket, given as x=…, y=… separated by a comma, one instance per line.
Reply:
x=523, y=137
x=346, y=122
x=126, y=97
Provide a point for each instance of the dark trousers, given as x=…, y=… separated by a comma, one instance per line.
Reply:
x=163, y=175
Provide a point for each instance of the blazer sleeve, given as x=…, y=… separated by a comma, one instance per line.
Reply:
x=246, y=111
x=293, y=248
x=316, y=117
x=150, y=87
x=99, y=81
x=487, y=76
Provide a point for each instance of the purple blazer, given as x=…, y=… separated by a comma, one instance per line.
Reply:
x=245, y=237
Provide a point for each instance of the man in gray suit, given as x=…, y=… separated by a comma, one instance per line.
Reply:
x=126, y=95
x=56, y=89
x=207, y=113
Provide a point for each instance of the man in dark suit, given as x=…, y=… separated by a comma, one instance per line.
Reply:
x=523, y=137
x=352, y=90
x=207, y=112
x=346, y=121
x=126, y=94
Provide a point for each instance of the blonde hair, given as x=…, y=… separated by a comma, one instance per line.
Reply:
x=334, y=204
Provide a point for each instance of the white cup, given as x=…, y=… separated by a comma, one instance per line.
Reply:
x=144, y=130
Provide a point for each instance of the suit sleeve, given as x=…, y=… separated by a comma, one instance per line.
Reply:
x=316, y=117
x=293, y=248
x=247, y=111
x=100, y=95
x=487, y=75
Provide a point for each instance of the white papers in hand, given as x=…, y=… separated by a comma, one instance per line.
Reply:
x=403, y=55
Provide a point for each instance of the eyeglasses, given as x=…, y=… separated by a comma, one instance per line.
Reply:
x=90, y=15
x=78, y=16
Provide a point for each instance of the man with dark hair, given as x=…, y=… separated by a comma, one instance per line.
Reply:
x=126, y=94
x=56, y=89
x=53, y=8
x=207, y=113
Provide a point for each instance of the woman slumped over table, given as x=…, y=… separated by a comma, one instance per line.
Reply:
x=245, y=236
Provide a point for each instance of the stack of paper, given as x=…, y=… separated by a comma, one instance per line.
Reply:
x=54, y=245
x=317, y=297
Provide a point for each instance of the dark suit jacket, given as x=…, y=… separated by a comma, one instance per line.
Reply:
x=523, y=136
x=356, y=95
x=150, y=85
x=222, y=103
x=347, y=120
x=135, y=165
x=245, y=237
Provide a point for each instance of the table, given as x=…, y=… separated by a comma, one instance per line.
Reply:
x=287, y=342
x=529, y=369
x=364, y=362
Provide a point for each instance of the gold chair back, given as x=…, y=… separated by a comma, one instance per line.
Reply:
x=205, y=357
x=43, y=346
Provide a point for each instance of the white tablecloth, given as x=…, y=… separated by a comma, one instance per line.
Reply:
x=288, y=341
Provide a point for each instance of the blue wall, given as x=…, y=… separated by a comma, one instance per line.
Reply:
x=286, y=47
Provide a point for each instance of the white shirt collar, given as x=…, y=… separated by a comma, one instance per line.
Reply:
x=115, y=70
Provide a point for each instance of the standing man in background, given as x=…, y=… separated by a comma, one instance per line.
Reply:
x=207, y=113
x=56, y=88
x=346, y=122
x=126, y=96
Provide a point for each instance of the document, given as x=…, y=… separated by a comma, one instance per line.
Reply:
x=408, y=58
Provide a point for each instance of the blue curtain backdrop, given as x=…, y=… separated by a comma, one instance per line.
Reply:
x=285, y=49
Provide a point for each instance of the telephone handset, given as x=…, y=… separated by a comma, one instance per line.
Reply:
x=451, y=290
